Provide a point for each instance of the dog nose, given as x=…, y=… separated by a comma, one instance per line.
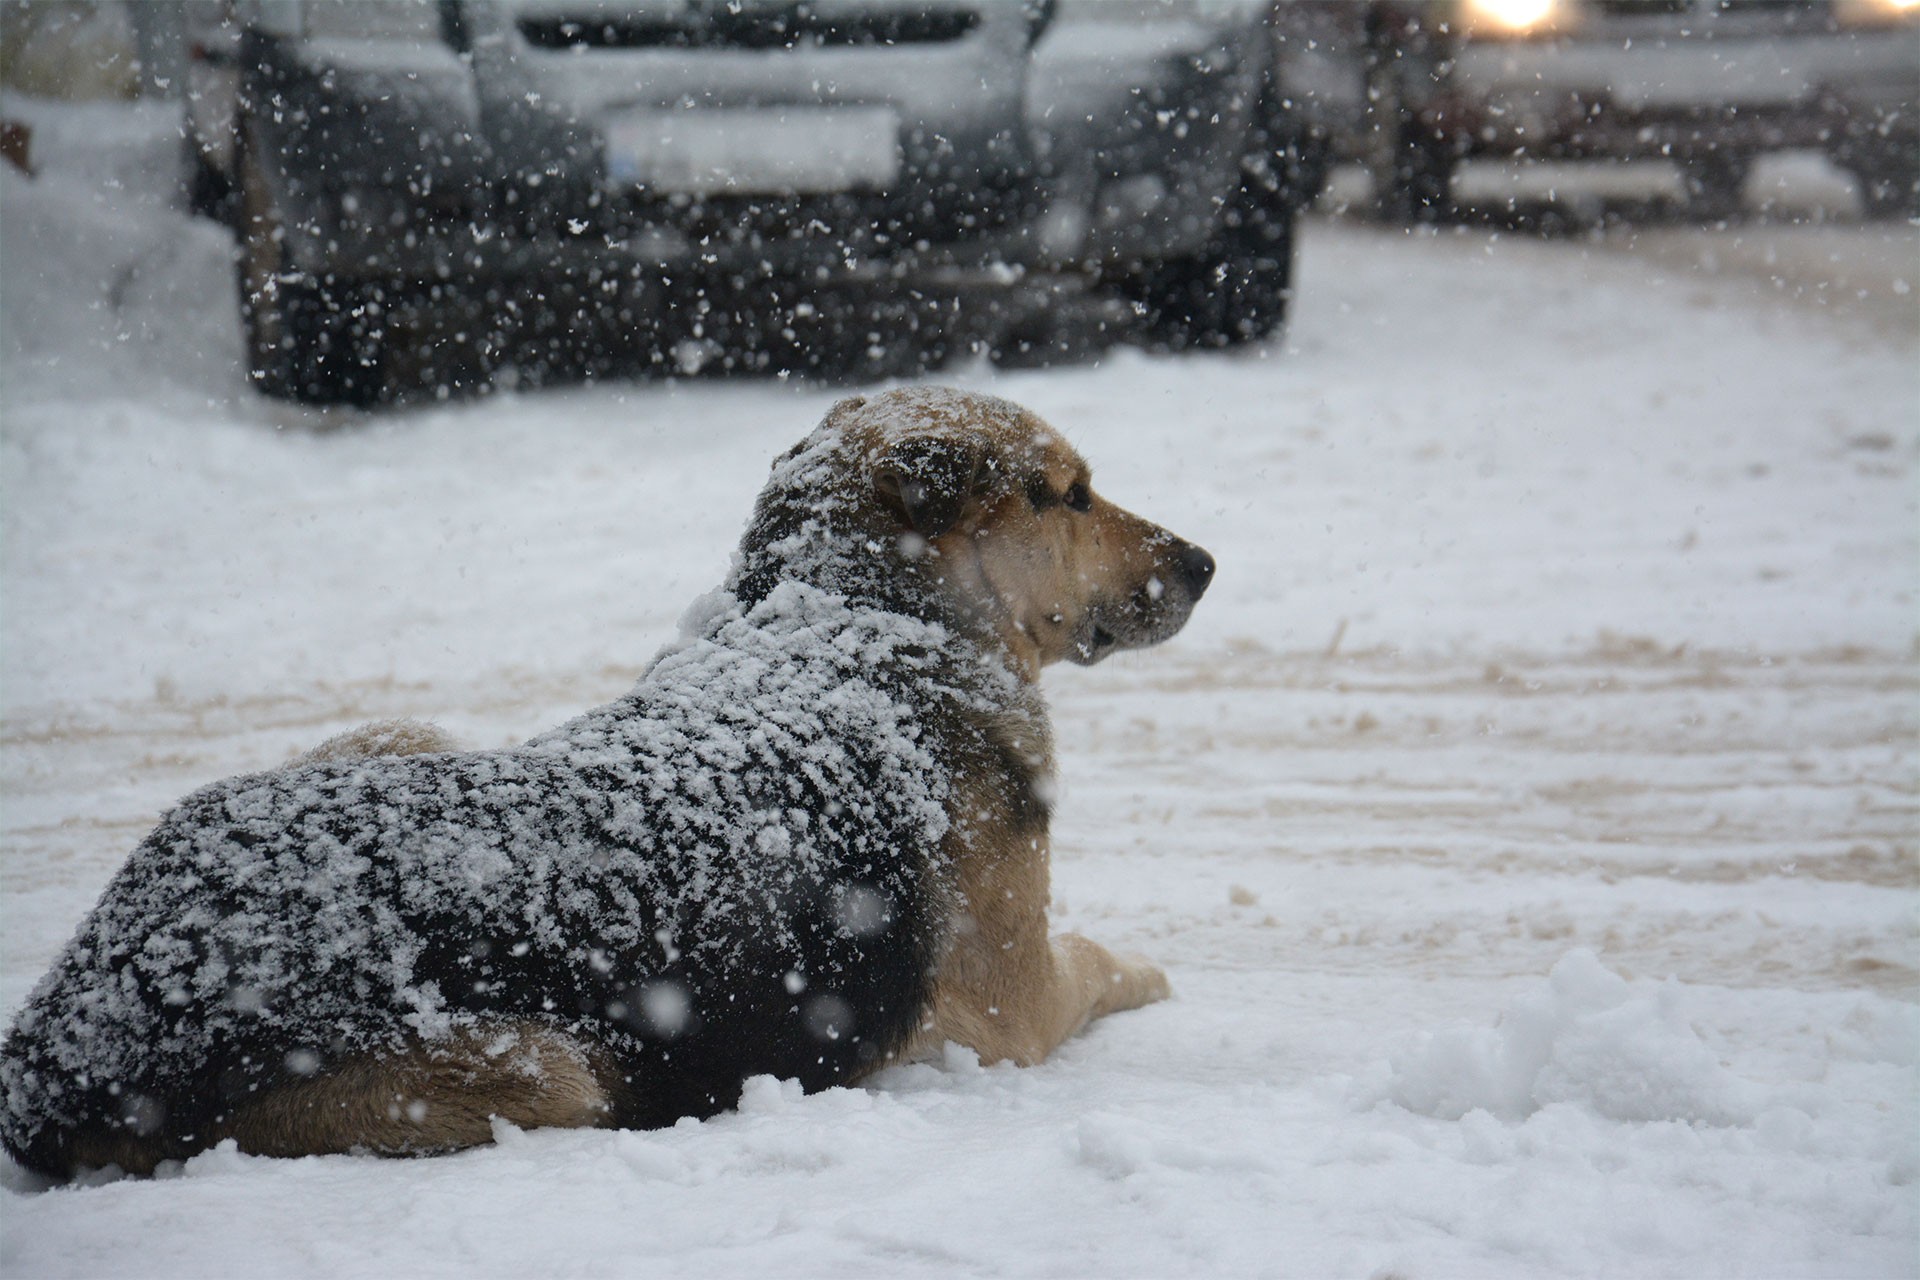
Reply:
x=1196, y=569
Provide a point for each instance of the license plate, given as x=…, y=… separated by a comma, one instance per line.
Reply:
x=759, y=151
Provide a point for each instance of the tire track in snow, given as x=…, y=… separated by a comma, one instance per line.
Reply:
x=1715, y=815
x=1734, y=818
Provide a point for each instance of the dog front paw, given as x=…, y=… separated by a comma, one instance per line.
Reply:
x=1139, y=981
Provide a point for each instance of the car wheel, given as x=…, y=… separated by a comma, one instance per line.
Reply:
x=1716, y=185
x=306, y=340
x=1233, y=291
x=210, y=193
x=1412, y=169
x=1889, y=185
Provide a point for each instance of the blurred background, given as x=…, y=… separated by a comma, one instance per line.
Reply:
x=430, y=196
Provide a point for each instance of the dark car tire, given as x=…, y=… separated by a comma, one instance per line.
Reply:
x=1716, y=185
x=306, y=340
x=1889, y=183
x=210, y=193
x=1412, y=169
x=1235, y=290
x=1414, y=182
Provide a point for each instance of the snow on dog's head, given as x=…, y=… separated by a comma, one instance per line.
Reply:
x=970, y=509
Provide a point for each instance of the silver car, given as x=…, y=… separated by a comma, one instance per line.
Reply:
x=427, y=193
x=1709, y=84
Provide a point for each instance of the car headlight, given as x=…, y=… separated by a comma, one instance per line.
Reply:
x=1510, y=18
x=1876, y=13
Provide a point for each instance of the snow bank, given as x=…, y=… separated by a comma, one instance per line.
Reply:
x=1581, y=1037
x=112, y=289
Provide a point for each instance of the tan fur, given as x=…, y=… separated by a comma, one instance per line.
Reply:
x=431, y=1098
x=1031, y=577
x=1036, y=573
x=425, y=1100
x=381, y=738
x=1005, y=989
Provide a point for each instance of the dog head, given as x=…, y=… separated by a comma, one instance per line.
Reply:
x=995, y=513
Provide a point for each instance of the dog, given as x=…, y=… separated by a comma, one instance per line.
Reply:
x=813, y=840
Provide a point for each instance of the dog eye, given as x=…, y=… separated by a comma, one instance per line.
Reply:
x=1079, y=497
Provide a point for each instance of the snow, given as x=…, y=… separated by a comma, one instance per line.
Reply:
x=1525, y=818
x=1583, y=1038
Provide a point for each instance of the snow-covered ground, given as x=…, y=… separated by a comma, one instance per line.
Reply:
x=1527, y=819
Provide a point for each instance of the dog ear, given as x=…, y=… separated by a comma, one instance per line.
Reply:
x=930, y=481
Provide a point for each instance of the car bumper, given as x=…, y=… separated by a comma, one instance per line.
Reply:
x=1675, y=98
x=463, y=250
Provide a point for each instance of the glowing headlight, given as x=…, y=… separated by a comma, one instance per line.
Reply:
x=1867, y=13
x=1512, y=17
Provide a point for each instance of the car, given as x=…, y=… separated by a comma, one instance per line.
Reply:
x=1708, y=84
x=429, y=194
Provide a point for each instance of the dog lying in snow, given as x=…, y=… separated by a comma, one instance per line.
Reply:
x=811, y=841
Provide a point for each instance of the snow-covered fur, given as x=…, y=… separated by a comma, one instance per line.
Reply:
x=770, y=857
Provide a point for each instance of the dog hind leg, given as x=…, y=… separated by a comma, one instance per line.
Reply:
x=430, y=1098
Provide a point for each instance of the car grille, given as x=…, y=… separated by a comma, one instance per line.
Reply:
x=1784, y=13
x=751, y=26
x=1642, y=8
x=1706, y=19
